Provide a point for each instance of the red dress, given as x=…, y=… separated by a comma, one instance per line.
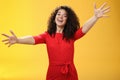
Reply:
x=61, y=54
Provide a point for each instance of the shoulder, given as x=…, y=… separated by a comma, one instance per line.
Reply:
x=78, y=34
x=44, y=34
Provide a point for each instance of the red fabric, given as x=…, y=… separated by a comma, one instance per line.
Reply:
x=61, y=54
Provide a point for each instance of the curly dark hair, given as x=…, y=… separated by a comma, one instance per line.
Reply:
x=71, y=25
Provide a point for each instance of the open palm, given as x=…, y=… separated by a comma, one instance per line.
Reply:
x=10, y=39
x=100, y=12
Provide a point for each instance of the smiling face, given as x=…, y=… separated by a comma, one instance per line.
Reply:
x=61, y=18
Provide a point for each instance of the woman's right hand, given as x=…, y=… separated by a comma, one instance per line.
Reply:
x=10, y=39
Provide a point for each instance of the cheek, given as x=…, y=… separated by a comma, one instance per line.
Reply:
x=65, y=20
x=55, y=19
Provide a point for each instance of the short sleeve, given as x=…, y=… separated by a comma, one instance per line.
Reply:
x=41, y=38
x=78, y=34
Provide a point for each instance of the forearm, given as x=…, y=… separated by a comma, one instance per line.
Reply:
x=26, y=40
x=88, y=25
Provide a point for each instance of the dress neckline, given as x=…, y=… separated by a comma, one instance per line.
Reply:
x=59, y=33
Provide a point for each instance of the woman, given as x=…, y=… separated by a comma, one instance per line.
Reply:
x=63, y=31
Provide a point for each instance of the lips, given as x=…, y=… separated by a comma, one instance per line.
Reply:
x=59, y=20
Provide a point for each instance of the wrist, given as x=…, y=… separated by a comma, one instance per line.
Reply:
x=17, y=40
x=95, y=17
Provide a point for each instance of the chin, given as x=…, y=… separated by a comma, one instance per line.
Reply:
x=60, y=25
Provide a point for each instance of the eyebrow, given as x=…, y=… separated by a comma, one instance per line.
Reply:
x=60, y=12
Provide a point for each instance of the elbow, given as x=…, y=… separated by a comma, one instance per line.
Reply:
x=84, y=30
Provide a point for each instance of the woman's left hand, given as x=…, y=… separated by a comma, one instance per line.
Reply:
x=100, y=12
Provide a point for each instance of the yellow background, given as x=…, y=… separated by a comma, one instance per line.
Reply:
x=97, y=54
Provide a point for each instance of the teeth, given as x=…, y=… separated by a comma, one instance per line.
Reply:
x=60, y=20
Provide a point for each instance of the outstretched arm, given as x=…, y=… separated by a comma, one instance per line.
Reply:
x=98, y=13
x=13, y=39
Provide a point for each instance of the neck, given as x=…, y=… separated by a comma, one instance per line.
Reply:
x=59, y=29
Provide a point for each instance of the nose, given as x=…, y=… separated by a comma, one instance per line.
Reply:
x=61, y=16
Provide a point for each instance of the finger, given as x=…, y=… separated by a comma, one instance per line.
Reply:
x=94, y=5
x=103, y=5
x=5, y=35
x=105, y=16
x=12, y=33
x=106, y=9
x=9, y=45
x=5, y=40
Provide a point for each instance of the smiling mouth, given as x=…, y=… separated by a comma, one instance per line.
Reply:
x=59, y=20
